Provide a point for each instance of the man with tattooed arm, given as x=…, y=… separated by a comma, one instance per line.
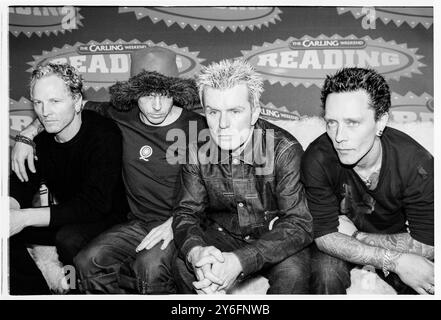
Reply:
x=369, y=189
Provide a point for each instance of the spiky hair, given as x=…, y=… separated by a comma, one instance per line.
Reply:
x=71, y=77
x=228, y=73
x=354, y=79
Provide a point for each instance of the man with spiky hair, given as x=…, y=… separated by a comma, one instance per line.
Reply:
x=369, y=189
x=152, y=108
x=241, y=210
x=79, y=160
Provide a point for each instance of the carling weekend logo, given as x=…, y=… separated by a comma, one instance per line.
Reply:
x=308, y=60
x=103, y=63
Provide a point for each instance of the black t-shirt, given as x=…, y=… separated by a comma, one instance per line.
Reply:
x=152, y=158
x=83, y=174
x=402, y=199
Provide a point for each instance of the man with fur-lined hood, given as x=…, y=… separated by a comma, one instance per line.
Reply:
x=152, y=109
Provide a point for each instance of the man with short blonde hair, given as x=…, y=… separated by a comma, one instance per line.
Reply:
x=233, y=219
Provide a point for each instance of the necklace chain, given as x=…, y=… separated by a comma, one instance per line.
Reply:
x=373, y=174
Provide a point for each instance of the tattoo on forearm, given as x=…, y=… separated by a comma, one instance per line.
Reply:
x=350, y=249
x=401, y=242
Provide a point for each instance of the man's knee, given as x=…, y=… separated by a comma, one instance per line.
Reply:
x=153, y=269
x=97, y=267
x=329, y=275
x=95, y=257
x=153, y=262
x=291, y=276
x=84, y=260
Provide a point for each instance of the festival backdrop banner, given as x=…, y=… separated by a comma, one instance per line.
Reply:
x=294, y=48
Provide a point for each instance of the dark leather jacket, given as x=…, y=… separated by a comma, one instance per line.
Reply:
x=258, y=199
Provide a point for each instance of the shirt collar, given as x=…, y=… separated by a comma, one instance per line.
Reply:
x=251, y=152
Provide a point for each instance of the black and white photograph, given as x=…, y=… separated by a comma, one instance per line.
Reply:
x=179, y=150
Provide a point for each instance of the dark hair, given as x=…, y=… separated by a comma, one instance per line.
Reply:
x=71, y=77
x=353, y=79
x=123, y=94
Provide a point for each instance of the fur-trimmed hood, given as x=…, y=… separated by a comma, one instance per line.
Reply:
x=124, y=95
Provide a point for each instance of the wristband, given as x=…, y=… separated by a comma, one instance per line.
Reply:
x=25, y=140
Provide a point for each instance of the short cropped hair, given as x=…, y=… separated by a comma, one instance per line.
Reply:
x=64, y=71
x=354, y=79
x=229, y=73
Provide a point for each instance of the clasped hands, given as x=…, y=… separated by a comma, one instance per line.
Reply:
x=216, y=271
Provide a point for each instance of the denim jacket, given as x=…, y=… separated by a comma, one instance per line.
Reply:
x=256, y=199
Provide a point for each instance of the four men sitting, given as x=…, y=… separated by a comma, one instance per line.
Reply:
x=245, y=200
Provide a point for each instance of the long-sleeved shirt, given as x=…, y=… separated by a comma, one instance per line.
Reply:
x=403, y=197
x=82, y=174
x=256, y=197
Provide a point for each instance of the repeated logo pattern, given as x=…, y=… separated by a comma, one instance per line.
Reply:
x=294, y=68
